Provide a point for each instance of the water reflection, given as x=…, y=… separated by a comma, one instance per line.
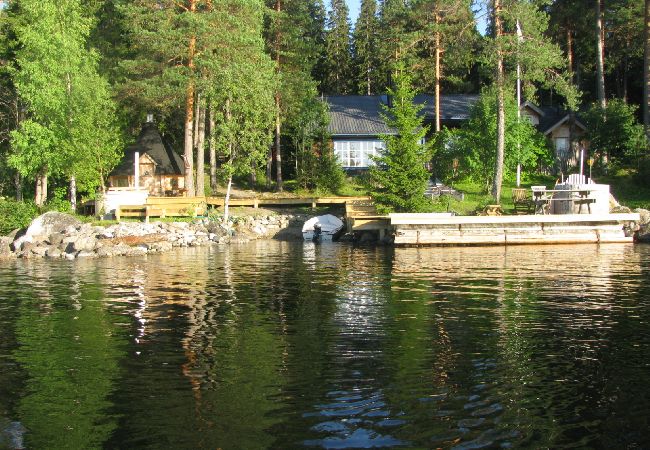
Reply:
x=282, y=345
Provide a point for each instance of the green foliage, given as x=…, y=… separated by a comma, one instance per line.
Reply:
x=399, y=178
x=70, y=127
x=615, y=131
x=244, y=84
x=367, y=75
x=473, y=145
x=337, y=48
x=14, y=214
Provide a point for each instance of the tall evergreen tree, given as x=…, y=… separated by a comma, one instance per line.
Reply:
x=399, y=177
x=367, y=73
x=395, y=29
x=317, y=34
x=443, y=27
x=337, y=47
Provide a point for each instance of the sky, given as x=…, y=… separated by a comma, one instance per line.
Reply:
x=354, y=6
x=354, y=9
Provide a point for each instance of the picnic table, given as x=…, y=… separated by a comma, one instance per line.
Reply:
x=543, y=198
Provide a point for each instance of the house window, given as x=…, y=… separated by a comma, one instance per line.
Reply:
x=562, y=147
x=357, y=154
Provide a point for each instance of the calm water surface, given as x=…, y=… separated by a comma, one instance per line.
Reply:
x=283, y=345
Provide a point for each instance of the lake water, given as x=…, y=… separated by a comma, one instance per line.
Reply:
x=285, y=345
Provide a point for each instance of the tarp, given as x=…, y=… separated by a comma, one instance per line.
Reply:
x=329, y=224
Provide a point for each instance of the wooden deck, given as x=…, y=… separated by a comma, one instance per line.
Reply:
x=197, y=206
x=313, y=202
x=423, y=229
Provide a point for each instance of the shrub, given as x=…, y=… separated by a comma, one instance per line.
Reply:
x=14, y=214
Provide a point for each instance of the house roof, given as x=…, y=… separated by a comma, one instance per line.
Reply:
x=360, y=115
x=356, y=115
x=554, y=117
x=151, y=143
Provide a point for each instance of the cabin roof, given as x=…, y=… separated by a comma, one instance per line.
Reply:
x=361, y=115
x=151, y=143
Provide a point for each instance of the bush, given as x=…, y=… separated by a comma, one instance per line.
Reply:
x=14, y=214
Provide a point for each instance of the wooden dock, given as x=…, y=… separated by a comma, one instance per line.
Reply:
x=425, y=229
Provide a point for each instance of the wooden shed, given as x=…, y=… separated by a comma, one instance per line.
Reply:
x=150, y=164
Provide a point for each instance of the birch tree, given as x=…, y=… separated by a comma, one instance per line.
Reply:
x=69, y=127
x=541, y=61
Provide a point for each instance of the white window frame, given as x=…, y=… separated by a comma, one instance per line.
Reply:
x=357, y=153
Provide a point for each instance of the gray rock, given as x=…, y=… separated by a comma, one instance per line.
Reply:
x=53, y=252
x=643, y=234
x=136, y=251
x=620, y=210
x=5, y=249
x=51, y=222
x=86, y=254
x=81, y=244
x=43, y=226
x=56, y=238
x=39, y=251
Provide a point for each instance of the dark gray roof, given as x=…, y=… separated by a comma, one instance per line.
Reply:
x=360, y=115
x=168, y=162
x=453, y=107
x=356, y=115
x=552, y=116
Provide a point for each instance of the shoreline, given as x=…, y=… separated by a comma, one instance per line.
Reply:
x=61, y=236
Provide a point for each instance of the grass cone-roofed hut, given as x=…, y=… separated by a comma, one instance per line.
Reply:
x=159, y=171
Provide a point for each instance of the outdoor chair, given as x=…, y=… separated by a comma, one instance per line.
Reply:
x=522, y=200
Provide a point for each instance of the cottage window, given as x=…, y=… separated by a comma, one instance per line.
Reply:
x=357, y=154
x=562, y=147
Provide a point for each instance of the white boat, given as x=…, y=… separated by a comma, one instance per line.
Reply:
x=328, y=224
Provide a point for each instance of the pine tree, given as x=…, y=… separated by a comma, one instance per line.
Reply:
x=337, y=46
x=445, y=45
x=399, y=177
x=395, y=29
x=317, y=34
x=366, y=46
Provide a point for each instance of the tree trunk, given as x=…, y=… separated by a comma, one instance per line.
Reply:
x=200, y=151
x=18, y=184
x=213, y=152
x=41, y=188
x=73, y=193
x=188, y=154
x=501, y=122
x=600, y=55
x=646, y=71
x=278, y=155
x=569, y=53
x=269, y=164
x=226, y=202
x=437, y=89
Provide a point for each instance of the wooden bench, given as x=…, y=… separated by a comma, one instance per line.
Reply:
x=164, y=207
x=522, y=200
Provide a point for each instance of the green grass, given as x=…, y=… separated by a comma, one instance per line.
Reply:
x=627, y=189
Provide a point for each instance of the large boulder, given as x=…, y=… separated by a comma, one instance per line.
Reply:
x=44, y=225
x=643, y=234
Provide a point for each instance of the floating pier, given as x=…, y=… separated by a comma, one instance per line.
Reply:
x=432, y=229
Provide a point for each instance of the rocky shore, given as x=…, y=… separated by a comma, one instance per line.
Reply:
x=62, y=236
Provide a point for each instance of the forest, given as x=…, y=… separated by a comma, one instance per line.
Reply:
x=237, y=86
